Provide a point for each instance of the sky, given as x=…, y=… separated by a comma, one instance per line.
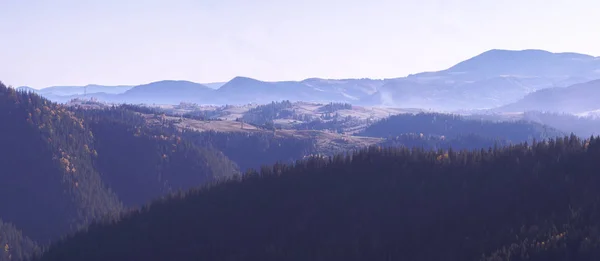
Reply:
x=112, y=42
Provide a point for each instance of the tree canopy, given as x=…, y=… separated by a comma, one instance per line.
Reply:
x=521, y=202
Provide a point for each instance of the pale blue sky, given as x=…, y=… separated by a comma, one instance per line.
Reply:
x=76, y=42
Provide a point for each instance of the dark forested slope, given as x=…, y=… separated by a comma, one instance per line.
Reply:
x=61, y=167
x=253, y=150
x=375, y=204
x=436, y=142
x=14, y=245
x=48, y=186
x=454, y=125
x=140, y=162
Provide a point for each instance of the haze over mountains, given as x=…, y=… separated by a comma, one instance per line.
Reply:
x=348, y=182
x=492, y=79
x=299, y=131
x=578, y=98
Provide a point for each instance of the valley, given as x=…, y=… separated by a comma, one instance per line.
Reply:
x=313, y=169
x=299, y=130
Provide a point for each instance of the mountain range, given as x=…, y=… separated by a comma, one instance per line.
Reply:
x=492, y=79
x=578, y=98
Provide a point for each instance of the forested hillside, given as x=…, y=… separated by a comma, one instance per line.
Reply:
x=14, y=245
x=253, y=150
x=436, y=142
x=454, y=125
x=61, y=168
x=527, y=202
x=140, y=162
x=46, y=172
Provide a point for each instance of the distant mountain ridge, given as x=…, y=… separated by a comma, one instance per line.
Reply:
x=527, y=62
x=75, y=90
x=578, y=98
x=147, y=93
x=491, y=79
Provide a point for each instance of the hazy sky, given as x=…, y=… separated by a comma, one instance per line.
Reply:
x=76, y=42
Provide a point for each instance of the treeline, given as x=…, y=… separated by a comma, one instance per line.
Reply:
x=453, y=125
x=534, y=201
x=335, y=106
x=436, y=142
x=267, y=113
x=334, y=123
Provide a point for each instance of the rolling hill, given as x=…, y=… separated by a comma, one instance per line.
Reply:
x=491, y=79
x=522, y=63
x=165, y=92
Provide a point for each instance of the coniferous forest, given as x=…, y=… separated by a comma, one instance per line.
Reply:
x=454, y=125
x=523, y=202
x=109, y=184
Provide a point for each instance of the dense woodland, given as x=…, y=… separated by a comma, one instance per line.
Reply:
x=14, y=245
x=523, y=202
x=267, y=113
x=141, y=163
x=253, y=150
x=435, y=142
x=330, y=119
x=46, y=170
x=106, y=160
x=454, y=125
x=332, y=107
x=62, y=168
x=419, y=190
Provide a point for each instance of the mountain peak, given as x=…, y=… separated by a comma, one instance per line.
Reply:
x=168, y=86
x=517, y=51
x=531, y=53
x=181, y=82
x=241, y=82
x=523, y=63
